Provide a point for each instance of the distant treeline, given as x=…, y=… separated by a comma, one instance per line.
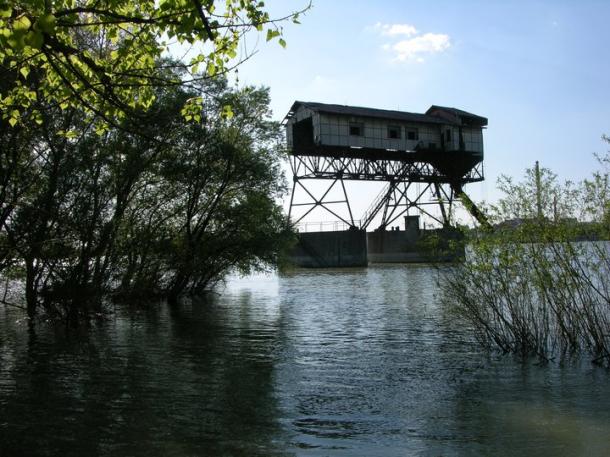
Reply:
x=155, y=206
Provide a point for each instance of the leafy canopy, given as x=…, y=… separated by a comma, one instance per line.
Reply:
x=105, y=57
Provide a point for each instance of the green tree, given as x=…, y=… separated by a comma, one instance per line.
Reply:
x=538, y=194
x=105, y=58
x=168, y=210
x=219, y=187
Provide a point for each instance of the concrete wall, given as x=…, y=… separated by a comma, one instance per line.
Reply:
x=394, y=246
x=331, y=249
x=408, y=246
x=355, y=248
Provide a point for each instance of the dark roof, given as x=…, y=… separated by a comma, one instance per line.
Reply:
x=461, y=113
x=366, y=112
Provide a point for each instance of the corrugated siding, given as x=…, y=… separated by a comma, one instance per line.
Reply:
x=334, y=131
x=289, y=133
x=473, y=139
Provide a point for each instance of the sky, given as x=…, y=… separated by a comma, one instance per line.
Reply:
x=538, y=70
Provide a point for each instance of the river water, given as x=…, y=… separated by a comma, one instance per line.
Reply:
x=360, y=362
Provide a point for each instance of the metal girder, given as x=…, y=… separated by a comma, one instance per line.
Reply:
x=359, y=169
x=394, y=199
x=320, y=202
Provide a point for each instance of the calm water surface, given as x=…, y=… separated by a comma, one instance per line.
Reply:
x=359, y=362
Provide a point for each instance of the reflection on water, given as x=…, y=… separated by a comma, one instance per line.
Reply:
x=344, y=362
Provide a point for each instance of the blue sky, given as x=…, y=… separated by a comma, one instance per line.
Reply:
x=540, y=71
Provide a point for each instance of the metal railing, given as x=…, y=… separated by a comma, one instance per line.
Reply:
x=324, y=226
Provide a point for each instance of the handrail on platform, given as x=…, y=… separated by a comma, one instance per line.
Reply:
x=325, y=226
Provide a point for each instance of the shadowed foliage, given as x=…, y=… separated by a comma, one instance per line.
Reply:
x=165, y=211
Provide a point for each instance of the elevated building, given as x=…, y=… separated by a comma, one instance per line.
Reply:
x=441, y=149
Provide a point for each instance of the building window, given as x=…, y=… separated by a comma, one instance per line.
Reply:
x=412, y=134
x=356, y=129
x=394, y=132
x=448, y=135
x=432, y=145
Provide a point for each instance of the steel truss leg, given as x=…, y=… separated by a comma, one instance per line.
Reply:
x=394, y=200
x=471, y=207
x=446, y=218
x=321, y=202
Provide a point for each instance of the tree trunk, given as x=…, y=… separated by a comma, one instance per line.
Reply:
x=31, y=296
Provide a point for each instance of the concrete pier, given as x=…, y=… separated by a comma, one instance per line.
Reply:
x=356, y=248
x=414, y=245
x=346, y=248
x=393, y=247
x=396, y=246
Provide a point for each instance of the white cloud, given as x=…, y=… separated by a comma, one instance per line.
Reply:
x=415, y=48
x=396, y=29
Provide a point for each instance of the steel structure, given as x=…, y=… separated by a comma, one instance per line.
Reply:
x=411, y=175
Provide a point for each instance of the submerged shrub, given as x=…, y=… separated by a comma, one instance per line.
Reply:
x=539, y=284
